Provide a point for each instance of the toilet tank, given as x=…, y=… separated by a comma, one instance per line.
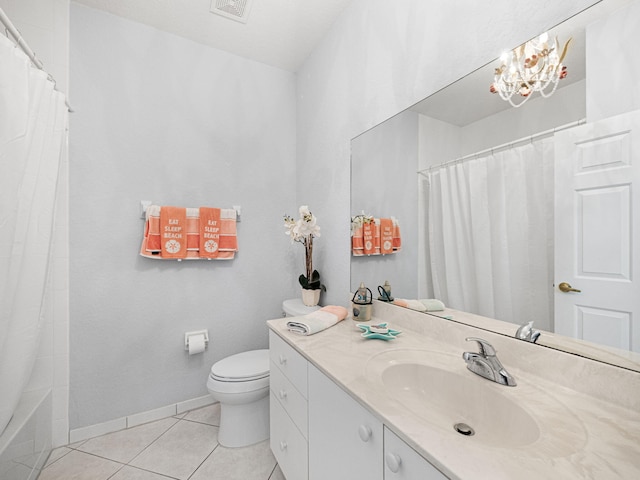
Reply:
x=294, y=308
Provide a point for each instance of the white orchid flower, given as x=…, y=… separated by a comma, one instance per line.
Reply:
x=303, y=228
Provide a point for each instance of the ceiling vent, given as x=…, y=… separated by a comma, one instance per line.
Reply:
x=237, y=10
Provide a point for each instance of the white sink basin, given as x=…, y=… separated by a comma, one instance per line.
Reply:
x=445, y=398
x=439, y=389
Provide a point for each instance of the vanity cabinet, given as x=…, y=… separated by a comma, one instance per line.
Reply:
x=401, y=462
x=345, y=440
x=288, y=408
x=320, y=432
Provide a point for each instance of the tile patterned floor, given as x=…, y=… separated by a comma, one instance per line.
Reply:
x=183, y=447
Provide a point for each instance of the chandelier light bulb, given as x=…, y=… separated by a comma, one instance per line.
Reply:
x=535, y=66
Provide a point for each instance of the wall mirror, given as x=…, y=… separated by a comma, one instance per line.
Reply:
x=397, y=170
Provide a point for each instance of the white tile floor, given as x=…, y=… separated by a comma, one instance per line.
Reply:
x=183, y=447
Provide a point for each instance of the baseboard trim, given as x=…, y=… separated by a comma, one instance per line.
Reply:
x=84, y=433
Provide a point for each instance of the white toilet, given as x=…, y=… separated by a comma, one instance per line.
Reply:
x=241, y=384
x=294, y=307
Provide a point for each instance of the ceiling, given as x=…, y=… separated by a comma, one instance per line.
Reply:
x=280, y=33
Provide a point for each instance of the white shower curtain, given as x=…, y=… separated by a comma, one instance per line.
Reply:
x=33, y=120
x=490, y=234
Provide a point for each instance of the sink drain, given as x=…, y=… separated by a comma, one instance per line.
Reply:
x=464, y=429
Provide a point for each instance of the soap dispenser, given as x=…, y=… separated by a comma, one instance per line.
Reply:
x=362, y=303
x=385, y=292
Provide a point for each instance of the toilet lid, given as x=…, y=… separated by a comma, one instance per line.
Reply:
x=243, y=366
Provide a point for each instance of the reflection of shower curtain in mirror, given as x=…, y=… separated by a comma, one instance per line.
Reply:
x=33, y=119
x=490, y=234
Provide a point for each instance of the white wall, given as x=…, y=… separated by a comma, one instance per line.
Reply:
x=378, y=59
x=612, y=69
x=44, y=24
x=384, y=162
x=161, y=118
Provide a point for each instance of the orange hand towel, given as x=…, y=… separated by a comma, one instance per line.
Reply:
x=376, y=237
x=173, y=231
x=357, y=242
x=228, y=235
x=386, y=236
x=193, y=231
x=152, y=230
x=397, y=239
x=209, y=232
x=368, y=232
x=340, y=312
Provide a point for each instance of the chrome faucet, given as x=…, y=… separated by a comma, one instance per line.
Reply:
x=527, y=332
x=486, y=364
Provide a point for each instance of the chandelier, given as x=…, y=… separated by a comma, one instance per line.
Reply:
x=535, y=66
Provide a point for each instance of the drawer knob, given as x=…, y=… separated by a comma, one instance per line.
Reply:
x=283, y=445
x=282, y=394
x=393, y=462
x=365, y=433
x=282, y=359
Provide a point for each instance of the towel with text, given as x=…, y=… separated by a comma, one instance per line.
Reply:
x=189, y=233
x=380, y=236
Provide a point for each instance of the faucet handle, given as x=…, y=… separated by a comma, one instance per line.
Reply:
x=527, y=332
x=486, y=349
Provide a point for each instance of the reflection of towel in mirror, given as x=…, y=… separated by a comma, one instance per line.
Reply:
x=368, y=233
x=433, y=304
x=412, y=304
x=386, y=236
x=357, y=242
x=317, y=321
x=376, y=236
x=397, y=240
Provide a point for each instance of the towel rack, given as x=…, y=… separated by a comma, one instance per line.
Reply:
x=144, y=204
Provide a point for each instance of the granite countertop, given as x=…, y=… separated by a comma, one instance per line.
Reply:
x=586, y=431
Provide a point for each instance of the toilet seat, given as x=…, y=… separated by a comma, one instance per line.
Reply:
x=242, y=367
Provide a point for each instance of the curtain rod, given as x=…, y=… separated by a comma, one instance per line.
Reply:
x=504, y=146
x=10, y=28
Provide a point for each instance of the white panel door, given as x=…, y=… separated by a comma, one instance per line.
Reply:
x=597, y=249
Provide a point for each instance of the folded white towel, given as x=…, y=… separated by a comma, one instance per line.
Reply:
x=313, y=322
x=416, y=305
x=432, y=304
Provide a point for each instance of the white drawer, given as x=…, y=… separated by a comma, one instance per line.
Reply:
x=290, y=398
x=287, y=443
x=290, y=362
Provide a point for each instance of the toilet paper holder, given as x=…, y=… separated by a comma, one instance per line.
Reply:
x=196, y=333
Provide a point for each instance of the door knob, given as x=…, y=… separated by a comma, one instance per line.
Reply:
x=565, y=287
